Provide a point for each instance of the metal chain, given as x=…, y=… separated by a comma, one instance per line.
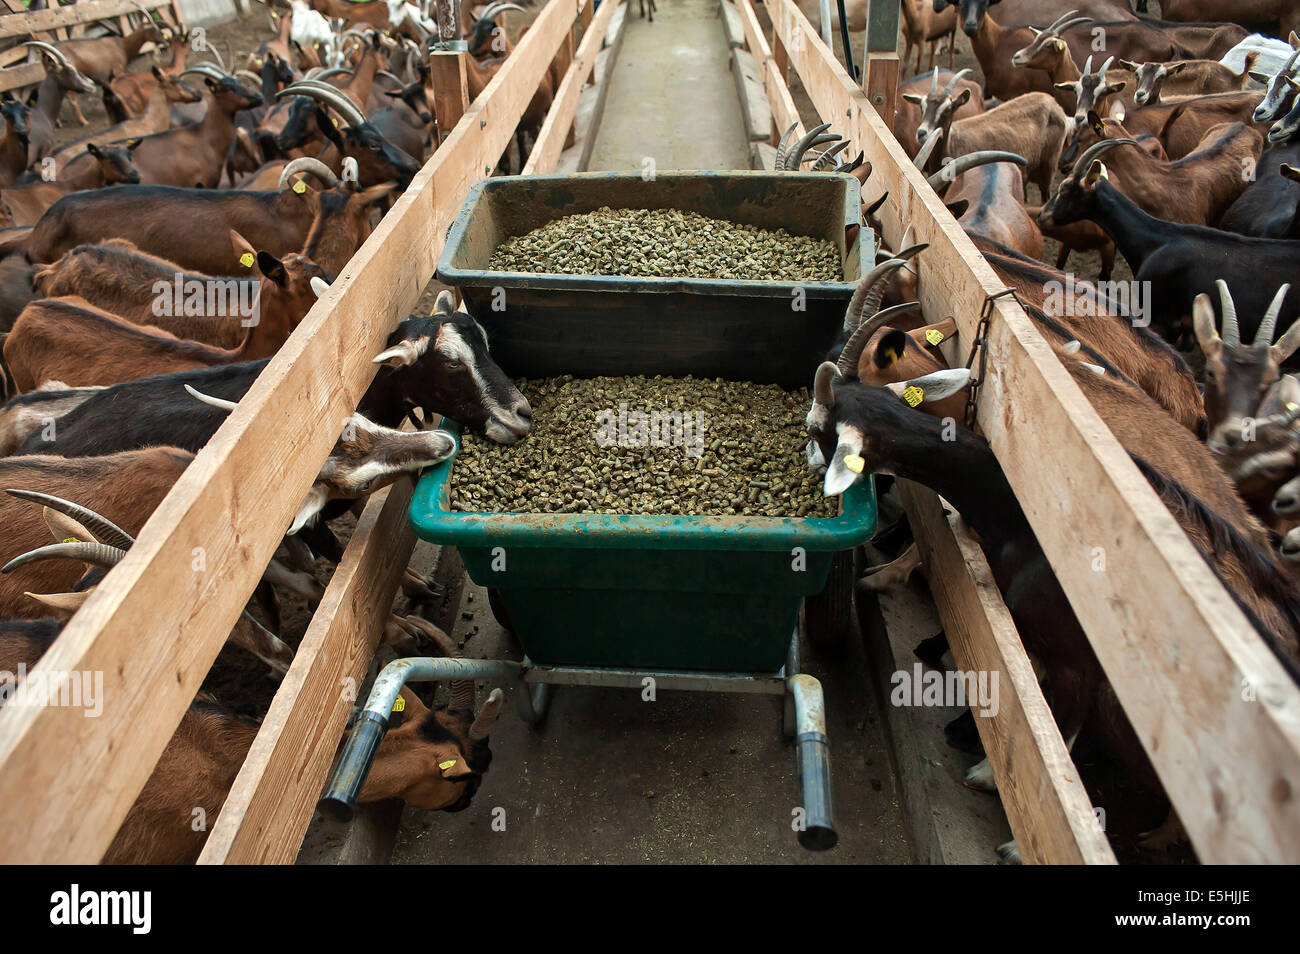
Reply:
x=978, y=349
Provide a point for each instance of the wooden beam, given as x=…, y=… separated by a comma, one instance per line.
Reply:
x=550, y=141
x=1045, y=801
x=449, y=78
x=53, y=18
x=158, y=620
x=272, y=800
x=1173, y=643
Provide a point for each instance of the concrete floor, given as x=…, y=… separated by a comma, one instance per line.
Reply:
x=672, y=98
x=689, y=778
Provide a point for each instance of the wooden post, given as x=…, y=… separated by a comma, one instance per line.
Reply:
x=881, y=69
x=449, y=78
x=585, y=17
x=560, y=67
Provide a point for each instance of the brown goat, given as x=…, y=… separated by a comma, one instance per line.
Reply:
x=121, y=280
x=95, y=168
x=106, y=57
x=995, y=196
x=922, y=25
x=135, y=90
x=195, y=155
x=913, y=101
x=1186, y=78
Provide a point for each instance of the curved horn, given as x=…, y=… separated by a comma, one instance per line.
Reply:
x=1056, y=25
x=850, y=166
x=206, y=69
x=1101, y=73
x=926, y=152
x=853, y=313
x=332, y=71
x=219, y=403
x=857, y=343
x=826, y=157
x=96, y=554
x=1231, y=334
x=51, y=50
x=961, y=164
x=248, y=76
x=221, y=63
x=952, y=83
x=1095, y=150
x=823, y=393
x=1087, y=67
x=1070, y=23
x=934, y=83
x=494, y=8
x=1264, y=337
x=309, y=165
x=487, y=716
x=100, y=526
x=327, y=94
x=783, y=147
x=388, y=75
x=795, y=156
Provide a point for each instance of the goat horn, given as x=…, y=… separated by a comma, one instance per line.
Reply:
x=857, y=343
x=332, y=71
x=1087, y=66
x=248, y=76
x=388, y=75
x=100, y=526
x=1096, y=149
x=867, y=285
x=969, y=161
x=783, y=147
x=1264, y=337
x=926, y=152
x=487, y=716
x=221, y=63
x=823, y=393
x=1101, y=73
x=495, y=8
x=47, y=48
x=825, y=158
x=96, y=554
x=934, y=83
x=219, y=403
x=207, y=69
x=326, y=94
x=850, y=166
x=795, y=156
x=307, y=164
x=1231, y=334
x=1072, y=23
x=952, y=83
x=1056, y=25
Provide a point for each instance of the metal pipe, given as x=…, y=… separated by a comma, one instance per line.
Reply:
x=848, y=48
x=826, y=23
x=813, y=758
x=340, y=799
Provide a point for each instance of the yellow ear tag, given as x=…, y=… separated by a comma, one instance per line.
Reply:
x=399, y=705
x=450, y=763
x=247, y=260
x=855, y=463
x=1290, y=406
x=934, y=336
x=300, y=187
x=913, y=396
x=75, y=540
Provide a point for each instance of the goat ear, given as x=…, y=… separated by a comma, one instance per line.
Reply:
x=328, y=128
x=243, y=248
x=934, y=386
x=312, y=505
x=1095, y=122
x=1172, y=70
x=914, y=98
x=211, y=84
x=272, y=268
x=92, y=149
x=375, y=193
x=1261, y=78
x=403, y=354
x=958, y=208
x=65, y=605
x=1096, y=172
x=962, y=98
x=1287, y=344
x=157, y=73
x=1203, y=320
x=890, y=349
x=132, y=143
x=1113, y=88
x=1063, y=87
x=1294, y=40
x=846, y=466
x=1129, y=65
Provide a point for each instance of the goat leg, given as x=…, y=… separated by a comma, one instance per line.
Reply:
x=294, y=581
x=418, y=589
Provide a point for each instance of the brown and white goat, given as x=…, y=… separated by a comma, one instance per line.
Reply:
x=1186, y=78
x=922, y=93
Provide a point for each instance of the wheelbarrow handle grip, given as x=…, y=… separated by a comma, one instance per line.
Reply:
x=340, y=801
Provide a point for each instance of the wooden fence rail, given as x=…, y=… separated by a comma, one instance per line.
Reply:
x=156, y=623
x=1215, y=711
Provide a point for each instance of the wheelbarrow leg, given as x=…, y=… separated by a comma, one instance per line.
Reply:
x=813, y=759
x=532, y=701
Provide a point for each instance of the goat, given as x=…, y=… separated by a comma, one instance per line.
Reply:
x=913, y=101
x=93, y=169
x=439, y=363
x=328, y=226
x=1196, y=189
x=104, y=58
x=378, y=160
x=1032, y=126
x=25, y=414
x=1197, y=77
x=1077, y=237
x=195, y=155
x=134, y=91
x=61, y=78
x=1170, y=256
x=995, y=195
x=433, y=759
x=16, y=142
x=1253, y=13
x=166, y=92
x=922, y=25
x=309, y=29
x=69, y=340
x=1278, y=88
x=1270, y=206
x=1287, y=127
x=1238, y=376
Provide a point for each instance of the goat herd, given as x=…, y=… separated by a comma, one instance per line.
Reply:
x=150, y=271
